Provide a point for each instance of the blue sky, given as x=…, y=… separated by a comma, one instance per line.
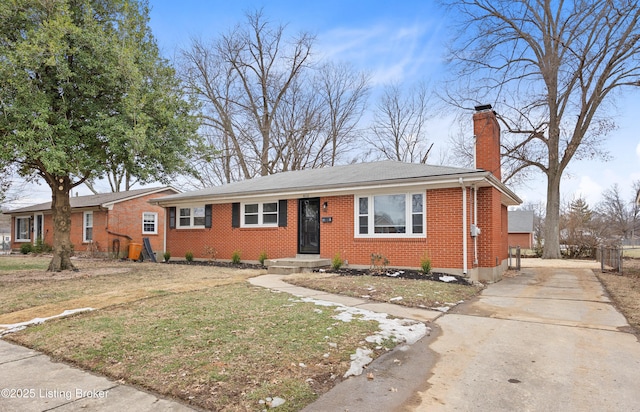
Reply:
x=401, y=41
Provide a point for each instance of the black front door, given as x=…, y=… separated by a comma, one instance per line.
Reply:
x=309, y=226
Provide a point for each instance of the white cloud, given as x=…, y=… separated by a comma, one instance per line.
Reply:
x=590, y=190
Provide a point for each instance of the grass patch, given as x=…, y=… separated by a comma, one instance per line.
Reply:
x=414, y=293
x=222, y=348
x=10, y=264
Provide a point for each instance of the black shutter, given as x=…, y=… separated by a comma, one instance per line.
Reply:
x=207, y=216
x=235, y=215
x=282, y=213
x=172, y=218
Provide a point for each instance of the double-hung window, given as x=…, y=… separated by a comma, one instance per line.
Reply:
x=390, y=215
x=23, y=232
x=260, y=214
x=191, y=217
x=149, y=223
x=87, y=227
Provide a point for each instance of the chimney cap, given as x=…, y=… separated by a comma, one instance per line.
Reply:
x=482, y=107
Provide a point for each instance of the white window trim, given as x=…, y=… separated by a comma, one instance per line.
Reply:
x=371, y=216
x=18, y=238
x=84, y=227
x=155, y=223
x=260, y=214
x=191, y=217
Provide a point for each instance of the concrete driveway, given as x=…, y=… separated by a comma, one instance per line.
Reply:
x=548, y=339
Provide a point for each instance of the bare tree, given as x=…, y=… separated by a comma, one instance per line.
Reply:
x=550, y=68
x=241, y=81
x=399, y=125
x=265, y=107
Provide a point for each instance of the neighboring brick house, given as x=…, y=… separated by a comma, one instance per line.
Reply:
x=521, y=228
x=104, y=223
x=402, y=211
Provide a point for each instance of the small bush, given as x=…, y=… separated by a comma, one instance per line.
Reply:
x=235, y=257
x=41, y=246
x=425, y=264
x=262, y=257
x=379, y=262
x=210, y=252
x=167, y=256
x=26, y=248
x=189, y=256
x=336, y=262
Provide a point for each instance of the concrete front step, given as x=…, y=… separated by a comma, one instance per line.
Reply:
x=285, y=266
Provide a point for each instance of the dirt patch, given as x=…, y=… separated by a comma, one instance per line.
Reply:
x=624, y=291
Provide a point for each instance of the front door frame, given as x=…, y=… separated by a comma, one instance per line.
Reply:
x=303, y=236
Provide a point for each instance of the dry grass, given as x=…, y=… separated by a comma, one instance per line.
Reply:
x=201, y=334
x=624, y=290
x=414, y=293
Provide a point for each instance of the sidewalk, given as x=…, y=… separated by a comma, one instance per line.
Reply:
x=30, y=381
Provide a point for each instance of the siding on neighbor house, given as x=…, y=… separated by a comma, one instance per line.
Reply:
x=521, y=239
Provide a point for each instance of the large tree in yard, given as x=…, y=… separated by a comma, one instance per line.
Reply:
x=551, y=69
x=83, y=88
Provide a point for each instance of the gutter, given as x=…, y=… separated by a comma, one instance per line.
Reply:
x=464, y=226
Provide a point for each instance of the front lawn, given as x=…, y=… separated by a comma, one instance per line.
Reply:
x=625, y=290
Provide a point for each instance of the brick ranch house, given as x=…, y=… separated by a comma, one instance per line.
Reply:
x=103, y=223
x=456, y=216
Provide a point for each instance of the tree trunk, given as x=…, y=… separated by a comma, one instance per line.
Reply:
x=61, y=210
x=552, y=220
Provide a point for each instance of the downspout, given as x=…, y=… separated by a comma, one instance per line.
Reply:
x=475, y=222
x=464, y=227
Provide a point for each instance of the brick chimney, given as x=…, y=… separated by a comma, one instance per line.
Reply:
x=487, y=133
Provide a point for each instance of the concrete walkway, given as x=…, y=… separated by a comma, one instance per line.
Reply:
x=548, y=339
x=31, y=381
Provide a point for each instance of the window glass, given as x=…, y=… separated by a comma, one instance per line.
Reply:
x=417, y=213
x=257, y=214
x=270, y=213
x=22, y=228
x=390, y=214
x=185, y=216
x=198, y=216
x=149, y=222
x=88, y=226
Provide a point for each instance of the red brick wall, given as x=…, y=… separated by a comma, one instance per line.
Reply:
x=277, y=242
x=443, y=243
x=487, y=132
x=491, y=244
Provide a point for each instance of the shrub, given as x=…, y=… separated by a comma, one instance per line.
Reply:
x=262, y=257
x=425, y=264
x=211, y=252
x=336, y=262
x=379, y=262
x=167, y=256
x=26, y=248
x=235, y=257
x=189, y=256
x=41, y=247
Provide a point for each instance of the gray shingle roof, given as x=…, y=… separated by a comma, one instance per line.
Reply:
x=94, y=200
x=520, y=221
x=340, y=178
x=358, y=174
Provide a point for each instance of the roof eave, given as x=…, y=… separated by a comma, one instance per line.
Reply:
x=451, y=180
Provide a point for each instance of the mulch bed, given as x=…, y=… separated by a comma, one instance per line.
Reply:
x=217, y=263
x=402, y=274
